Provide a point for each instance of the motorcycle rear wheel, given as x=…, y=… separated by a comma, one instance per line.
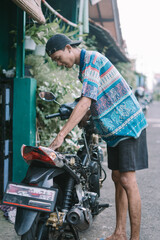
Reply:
x=39, y=231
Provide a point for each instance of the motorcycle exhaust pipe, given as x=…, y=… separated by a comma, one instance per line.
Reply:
x=80, y=217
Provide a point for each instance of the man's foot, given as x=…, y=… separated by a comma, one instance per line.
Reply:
x=116, y=236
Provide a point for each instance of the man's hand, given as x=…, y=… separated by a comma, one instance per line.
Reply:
x=78, y=113
x=57, y=142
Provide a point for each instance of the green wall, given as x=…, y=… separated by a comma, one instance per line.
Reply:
x=24, y=122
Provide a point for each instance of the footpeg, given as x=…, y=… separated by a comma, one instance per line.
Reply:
x=105, y=205
x=101, y=207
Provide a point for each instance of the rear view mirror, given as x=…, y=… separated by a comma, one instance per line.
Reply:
x=48, y=96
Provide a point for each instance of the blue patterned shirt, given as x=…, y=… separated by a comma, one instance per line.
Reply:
x=115, y=110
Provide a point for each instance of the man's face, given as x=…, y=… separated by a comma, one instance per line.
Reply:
x=64, y=57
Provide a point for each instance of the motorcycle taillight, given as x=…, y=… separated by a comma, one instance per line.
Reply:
x=42, y=154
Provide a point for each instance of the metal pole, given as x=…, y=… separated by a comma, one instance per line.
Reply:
x=20, y=53
x=81, y=6
x=86, y=17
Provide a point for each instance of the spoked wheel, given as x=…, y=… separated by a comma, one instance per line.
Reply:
x=66, y=233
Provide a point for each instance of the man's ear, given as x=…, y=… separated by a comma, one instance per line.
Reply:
x=68, y=47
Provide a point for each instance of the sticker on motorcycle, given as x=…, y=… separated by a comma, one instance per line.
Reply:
x=35, y=198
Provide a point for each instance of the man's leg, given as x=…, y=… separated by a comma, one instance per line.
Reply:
x=129, y=183
x=127, y=195
x=121, y=202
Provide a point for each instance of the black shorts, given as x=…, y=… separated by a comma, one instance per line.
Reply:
x=129, y=155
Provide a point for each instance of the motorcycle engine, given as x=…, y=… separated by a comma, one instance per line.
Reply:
x=80, y=215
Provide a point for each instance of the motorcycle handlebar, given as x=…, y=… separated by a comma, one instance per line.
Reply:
x=52, y=115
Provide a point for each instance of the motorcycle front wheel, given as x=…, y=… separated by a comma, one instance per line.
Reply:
x=39, y=231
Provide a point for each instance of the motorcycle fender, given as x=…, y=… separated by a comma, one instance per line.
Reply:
x=36, y=175
x=24, y=220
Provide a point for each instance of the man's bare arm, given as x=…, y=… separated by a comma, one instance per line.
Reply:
x=78, y=113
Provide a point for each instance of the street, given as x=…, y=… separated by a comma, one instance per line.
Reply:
x=149, y=185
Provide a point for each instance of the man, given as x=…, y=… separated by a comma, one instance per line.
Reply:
x=119, y=121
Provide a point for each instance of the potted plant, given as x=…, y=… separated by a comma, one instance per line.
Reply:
x=40, y=34
x=29, y=43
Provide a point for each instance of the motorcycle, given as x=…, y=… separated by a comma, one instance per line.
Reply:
x=143, y=101
x=59, y=195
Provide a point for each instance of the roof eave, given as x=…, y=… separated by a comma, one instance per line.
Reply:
x=105, y=38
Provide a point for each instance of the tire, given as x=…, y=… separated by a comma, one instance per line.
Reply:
x=38, y=231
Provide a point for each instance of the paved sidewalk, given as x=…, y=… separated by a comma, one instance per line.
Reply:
x=149, y=185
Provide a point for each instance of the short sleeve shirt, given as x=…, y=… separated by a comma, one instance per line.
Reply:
x=115, y=110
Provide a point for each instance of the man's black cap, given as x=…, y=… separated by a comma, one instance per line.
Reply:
x=58, y=42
